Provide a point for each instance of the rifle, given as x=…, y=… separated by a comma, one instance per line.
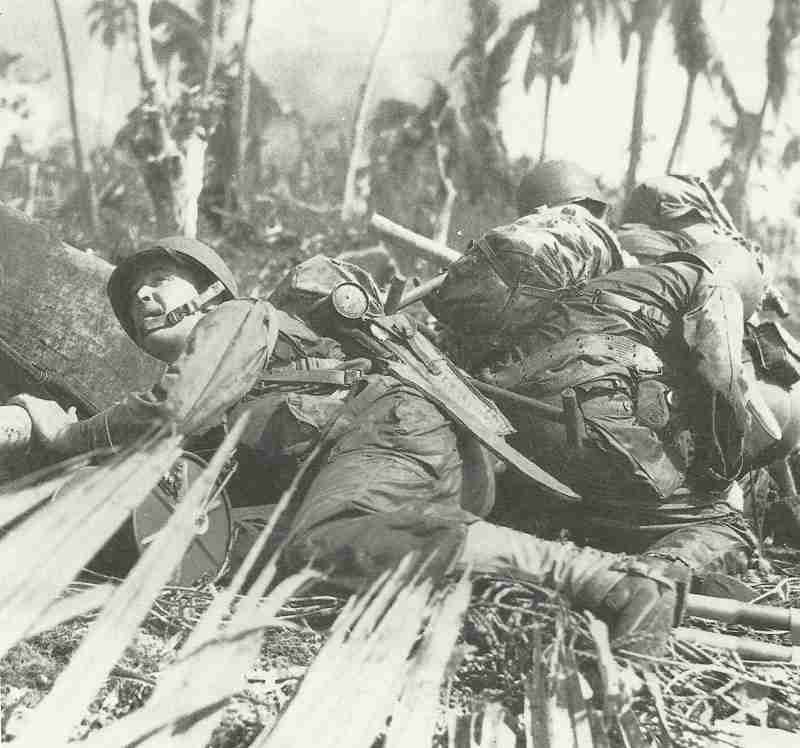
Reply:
x=571, y=415
x=748, y=614
x=748, y=649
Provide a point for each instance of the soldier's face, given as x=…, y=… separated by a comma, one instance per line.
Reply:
x=156, y=289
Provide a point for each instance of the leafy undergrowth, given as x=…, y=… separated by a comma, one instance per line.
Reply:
x=515, y=636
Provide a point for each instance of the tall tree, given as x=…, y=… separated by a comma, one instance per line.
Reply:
x=694, y=51
x=745, y=137
x=557, y=27
x=645, y=17
x=353, y=202
x=243, y=109
x=88, y=197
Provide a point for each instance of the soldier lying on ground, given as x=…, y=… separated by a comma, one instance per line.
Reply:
x=510, y=273
x=390, y=477
x=674, y=212
x=654, y=356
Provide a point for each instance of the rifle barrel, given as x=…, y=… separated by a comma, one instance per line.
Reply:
x=421, y=291
x=748, y=614
x=748, y=649
x=428, y=248
x=545, y=410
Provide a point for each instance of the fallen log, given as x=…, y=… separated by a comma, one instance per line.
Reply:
x=58, y=335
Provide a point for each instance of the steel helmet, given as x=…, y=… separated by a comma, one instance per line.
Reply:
x=556, y=183
x=733, y=263
x=181, y=249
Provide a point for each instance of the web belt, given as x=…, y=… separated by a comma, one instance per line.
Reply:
x=638, y=358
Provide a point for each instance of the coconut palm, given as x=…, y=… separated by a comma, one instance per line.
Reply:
x=554, y=45
x=88, y=198
x=643, y=22
x=694, y=51
x=745, y=137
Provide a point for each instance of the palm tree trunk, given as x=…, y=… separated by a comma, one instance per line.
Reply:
x=352, y=205
x=442, y=228
x=637, y=128
x=738, y=191
x=197, y=143
x=160, y=160
x=548, y=90
x=683, y=126
x=88, y=197
x=244, y=112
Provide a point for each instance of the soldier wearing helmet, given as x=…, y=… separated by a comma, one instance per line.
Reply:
x=640, y=346
x=156, y=294
x=552, y=183
x=392, y=478
x=512, y=272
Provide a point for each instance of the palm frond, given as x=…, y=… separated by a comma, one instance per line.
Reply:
x=354, y=683
x=784, y=26
x=499, y=58
x=63, y=707
x=73, y=527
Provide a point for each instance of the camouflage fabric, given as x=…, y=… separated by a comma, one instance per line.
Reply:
x=711, y=547
x=506, y=279
x=311, y=281
x=390, y=484
x=673, y=202
x=628, y=462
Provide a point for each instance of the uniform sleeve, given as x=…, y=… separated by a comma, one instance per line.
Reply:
x=713, y=332
x=224, y=355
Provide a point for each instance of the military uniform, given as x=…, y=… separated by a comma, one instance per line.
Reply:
x=389, y=476
x=639, y=346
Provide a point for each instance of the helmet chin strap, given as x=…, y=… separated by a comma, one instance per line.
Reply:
x=173, y=316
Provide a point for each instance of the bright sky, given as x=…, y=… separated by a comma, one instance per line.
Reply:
x=314, y=53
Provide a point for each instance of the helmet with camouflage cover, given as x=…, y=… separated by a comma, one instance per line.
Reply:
x=183, y=251
x=558, y=182
x=733, y=263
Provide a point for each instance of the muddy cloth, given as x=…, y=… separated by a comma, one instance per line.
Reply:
x=508, y=275
x=673, y=202
x=389, y=484
x=632, y=367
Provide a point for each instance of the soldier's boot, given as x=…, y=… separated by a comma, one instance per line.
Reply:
x=716, y=553
x=641, y=599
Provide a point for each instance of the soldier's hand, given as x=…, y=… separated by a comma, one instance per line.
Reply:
x=48, y=419
x=645, y=604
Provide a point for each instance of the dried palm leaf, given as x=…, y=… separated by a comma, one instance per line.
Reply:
x=50, y=547
x=63, y=707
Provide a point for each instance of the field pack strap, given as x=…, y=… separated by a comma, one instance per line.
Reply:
x=335, y=377
x=444, y=386
x=600, y=296
x=638, y=358
x=496, y=263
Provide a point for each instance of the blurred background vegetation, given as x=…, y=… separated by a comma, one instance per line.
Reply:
x=210, y=149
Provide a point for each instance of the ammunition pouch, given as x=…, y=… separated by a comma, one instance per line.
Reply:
x=775, y=353
x=652, y=404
